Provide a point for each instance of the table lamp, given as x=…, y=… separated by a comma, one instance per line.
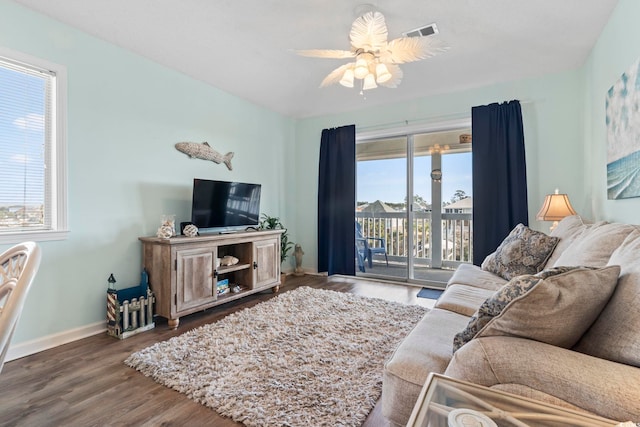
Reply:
x=554, y=208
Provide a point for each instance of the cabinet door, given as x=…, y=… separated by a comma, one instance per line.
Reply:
x=194, y=278
x=266, y=256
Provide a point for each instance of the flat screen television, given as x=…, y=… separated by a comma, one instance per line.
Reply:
x=222, y=204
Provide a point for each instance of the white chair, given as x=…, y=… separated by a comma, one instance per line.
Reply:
x=18, y=267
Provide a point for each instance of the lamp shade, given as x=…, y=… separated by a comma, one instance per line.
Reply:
x=347, y=78
x=555, y=207
x=369, y=82
x=382, y=73
x=362, y=68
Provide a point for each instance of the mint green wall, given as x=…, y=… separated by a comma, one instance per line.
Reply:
x=617, y=48
x=552, y=108
x=125, y=114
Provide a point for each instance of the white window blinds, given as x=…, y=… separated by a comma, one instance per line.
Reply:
x=28, y=172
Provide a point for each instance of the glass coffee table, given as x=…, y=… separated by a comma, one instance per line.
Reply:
x=447, y=402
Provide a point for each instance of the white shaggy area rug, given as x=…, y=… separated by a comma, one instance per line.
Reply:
x=308, y=357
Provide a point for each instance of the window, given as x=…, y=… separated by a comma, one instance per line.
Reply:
x=32, y=149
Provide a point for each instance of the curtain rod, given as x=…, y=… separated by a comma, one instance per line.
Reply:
x=445, y=117
x=408, y=122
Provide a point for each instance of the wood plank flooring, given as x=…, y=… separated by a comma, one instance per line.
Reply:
x=86, y=383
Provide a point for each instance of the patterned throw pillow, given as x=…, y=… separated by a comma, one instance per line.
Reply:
x=523, y=251
x=494, y=305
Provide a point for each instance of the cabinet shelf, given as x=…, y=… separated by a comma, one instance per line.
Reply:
x=229, y=296
x=229, y=268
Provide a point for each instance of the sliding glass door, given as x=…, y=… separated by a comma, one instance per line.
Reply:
x=414, y=206
x=381, y=195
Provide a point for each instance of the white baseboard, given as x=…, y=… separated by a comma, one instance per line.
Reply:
x=306, y=271
x=314, y=272
x=40, y=344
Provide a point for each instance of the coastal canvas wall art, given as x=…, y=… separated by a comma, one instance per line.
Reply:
x=623, y=135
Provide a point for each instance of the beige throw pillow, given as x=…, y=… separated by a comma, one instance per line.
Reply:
x=568, y=230
x=615, y=335
x=595, y=245
x=523, y=251
x=494, y=305
x=555, y=306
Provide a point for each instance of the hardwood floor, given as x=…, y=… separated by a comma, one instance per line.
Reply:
x=86, y=383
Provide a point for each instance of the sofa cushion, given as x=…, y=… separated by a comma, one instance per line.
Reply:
x=427, y=348
x=567, y=231
x=615, y=335
x=595, y=245
x=463, y=299
x=595, y=385
x=472, y=275
x=532, y=306
x=523, y=251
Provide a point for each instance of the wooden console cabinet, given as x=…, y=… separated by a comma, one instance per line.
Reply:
x=183, y=274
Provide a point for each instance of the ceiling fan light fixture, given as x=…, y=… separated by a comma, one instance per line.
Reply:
x=382, y=73
x=376, y=57
x=362, y=68
x=347, y=78
x=369, y=82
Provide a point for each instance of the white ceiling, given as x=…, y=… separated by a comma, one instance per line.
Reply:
x=245, y=47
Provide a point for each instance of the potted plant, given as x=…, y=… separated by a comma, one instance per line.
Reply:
x=272, y=223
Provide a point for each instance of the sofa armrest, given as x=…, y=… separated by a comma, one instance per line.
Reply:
x=599, y=386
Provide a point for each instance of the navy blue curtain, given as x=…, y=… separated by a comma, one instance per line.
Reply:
x=499, y=175
x=337, y=201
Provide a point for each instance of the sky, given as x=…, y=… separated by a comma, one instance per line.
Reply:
x=385, y=180
x=21, y=138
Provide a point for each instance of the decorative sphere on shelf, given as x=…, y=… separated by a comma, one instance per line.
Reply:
x=190, y=230
x=165, y=232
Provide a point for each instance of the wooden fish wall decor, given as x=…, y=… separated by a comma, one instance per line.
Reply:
x=205, y=152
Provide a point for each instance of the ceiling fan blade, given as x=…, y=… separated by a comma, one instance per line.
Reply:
x=326, y=53
x=409, y=49
x=335, y=76
x=396, y=76
x=369, y=32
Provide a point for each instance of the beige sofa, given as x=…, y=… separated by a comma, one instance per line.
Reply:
x=597, y=371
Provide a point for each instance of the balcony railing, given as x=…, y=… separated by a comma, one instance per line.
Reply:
x=455, y=248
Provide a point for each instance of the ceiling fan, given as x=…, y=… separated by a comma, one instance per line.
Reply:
x=375, y=59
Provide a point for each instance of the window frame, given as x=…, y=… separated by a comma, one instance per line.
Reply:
x=56, y=162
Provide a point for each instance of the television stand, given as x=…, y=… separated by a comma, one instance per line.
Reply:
x=186, y=277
